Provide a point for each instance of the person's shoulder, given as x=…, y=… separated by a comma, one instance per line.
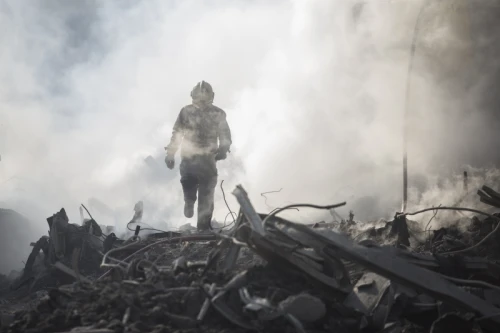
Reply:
x=189, y=107
x=188, y=110
x=218, y=110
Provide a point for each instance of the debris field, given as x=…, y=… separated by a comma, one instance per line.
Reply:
x=263, y=273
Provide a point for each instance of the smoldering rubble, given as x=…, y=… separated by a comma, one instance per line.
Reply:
x=262, y=273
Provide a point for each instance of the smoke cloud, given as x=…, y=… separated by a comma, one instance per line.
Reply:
x=314, y=92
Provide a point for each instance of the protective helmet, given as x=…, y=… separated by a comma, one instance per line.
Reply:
x=203, y=92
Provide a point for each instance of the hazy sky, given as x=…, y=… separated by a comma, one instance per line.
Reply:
x=314, y=92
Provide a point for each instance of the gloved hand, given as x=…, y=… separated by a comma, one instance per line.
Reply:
x=221, y=154
x=170, y=161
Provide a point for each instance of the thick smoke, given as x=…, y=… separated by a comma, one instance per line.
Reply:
x=314, y=92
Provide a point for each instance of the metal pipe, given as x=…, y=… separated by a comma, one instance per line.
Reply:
x=466, y=182
x=407, y=104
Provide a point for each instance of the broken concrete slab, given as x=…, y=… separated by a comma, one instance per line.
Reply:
x=367, y=297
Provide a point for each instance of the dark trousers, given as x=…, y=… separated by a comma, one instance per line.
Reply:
x=199, y=179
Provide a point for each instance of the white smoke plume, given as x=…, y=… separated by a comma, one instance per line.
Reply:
x=314, y=92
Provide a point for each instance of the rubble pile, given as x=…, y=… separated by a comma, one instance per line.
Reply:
x=163, y=302
x=264, y=274
x=453, y=239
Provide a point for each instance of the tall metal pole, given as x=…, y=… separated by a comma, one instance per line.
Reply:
x=407, y=105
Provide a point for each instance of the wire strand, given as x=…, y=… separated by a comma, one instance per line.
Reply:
x=278, y=210
x=425, y=230
x=106, y=255
x=471, y=282
x=432, y=218
x=269, y=192
x=143, y=229
x=87, y=211
x=228, y=208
